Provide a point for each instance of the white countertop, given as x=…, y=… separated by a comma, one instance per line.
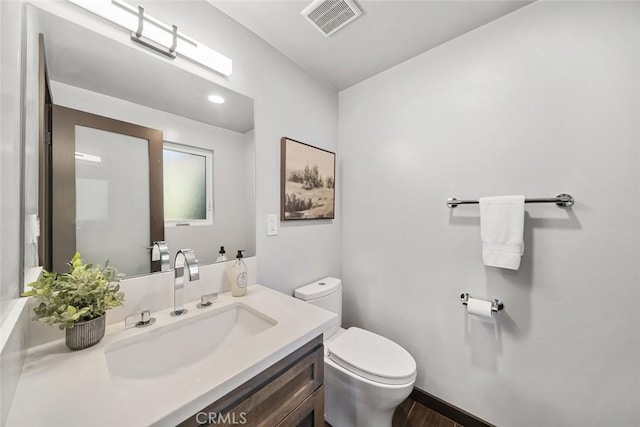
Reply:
x=59, y=387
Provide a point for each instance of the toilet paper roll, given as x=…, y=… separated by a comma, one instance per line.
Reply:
x=479, y=307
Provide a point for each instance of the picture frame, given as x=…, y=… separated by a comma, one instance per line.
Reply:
x=307, y=181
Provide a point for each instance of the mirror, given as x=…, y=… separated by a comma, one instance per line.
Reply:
x=208, y=149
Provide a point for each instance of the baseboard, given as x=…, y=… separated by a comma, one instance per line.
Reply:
x=448, y=410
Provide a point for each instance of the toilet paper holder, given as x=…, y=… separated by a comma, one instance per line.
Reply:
x=496, y=304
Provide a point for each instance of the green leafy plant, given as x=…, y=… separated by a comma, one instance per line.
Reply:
x=85, y=293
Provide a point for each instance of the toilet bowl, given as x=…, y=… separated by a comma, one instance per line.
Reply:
x=366, y=376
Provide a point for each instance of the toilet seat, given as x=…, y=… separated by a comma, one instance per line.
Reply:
x=372, y=356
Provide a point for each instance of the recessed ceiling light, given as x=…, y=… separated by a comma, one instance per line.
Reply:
x=216, y=99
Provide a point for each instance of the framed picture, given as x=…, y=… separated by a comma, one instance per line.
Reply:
x=307, y=181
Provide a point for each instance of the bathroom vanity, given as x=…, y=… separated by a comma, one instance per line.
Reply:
x=289, y=393
x=256, y=360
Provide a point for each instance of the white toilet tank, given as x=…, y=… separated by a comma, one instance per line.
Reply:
x=325, y=293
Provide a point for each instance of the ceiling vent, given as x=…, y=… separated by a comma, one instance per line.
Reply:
x=329, y=16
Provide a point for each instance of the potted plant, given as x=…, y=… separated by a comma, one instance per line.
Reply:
x=77, y=301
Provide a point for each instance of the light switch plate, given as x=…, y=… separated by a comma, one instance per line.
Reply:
x=272, y=225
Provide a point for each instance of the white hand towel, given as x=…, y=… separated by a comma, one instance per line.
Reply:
x=502, y=231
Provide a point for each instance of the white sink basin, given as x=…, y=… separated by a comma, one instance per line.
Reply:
x=173, y=347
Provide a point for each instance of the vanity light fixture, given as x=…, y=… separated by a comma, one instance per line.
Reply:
x=216, y=99
x=155, y=34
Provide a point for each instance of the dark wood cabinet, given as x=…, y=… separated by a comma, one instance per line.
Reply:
x=309, y=413
x=289, y=393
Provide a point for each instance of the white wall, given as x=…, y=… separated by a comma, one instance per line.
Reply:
x=229, y=167
x=543, y=101
x=30, y=165
x=12, y=315
x=10, y=152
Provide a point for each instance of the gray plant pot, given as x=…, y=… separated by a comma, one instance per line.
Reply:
x=85, y=334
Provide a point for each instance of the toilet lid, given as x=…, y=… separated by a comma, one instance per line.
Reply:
x=373, y=357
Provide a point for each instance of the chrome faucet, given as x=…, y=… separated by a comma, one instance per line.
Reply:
x=160, y=252
x=188, y=257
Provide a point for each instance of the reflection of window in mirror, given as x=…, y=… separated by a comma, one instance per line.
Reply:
x=188, y=185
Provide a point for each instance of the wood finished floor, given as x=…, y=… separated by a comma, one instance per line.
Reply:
x=413, y=414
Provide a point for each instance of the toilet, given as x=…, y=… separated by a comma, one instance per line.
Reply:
x=366, y=376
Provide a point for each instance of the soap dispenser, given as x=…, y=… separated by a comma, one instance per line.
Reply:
x=238, y=276
x=221, y=255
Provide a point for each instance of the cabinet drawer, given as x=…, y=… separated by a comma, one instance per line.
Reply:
x=309, y=413
x=267, y=399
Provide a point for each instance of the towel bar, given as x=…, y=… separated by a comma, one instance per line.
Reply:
x=561, y=200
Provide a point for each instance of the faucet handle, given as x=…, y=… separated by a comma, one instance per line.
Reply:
x=206, y=300
x=140, y=320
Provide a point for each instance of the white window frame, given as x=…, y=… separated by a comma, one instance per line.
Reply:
x=208, y=154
